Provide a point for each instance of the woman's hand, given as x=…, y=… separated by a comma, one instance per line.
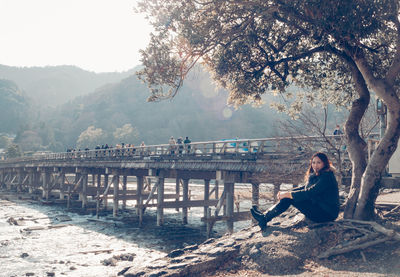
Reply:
x=284, y=194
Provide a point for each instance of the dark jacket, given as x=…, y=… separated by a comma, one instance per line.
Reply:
x=322, y=190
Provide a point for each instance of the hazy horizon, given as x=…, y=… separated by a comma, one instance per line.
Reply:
x=94, y=35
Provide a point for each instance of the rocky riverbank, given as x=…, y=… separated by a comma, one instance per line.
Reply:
x=291, y=246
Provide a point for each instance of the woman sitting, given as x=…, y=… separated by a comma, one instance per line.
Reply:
x=318, y=200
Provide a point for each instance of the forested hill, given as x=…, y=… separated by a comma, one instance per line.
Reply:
x=198, y=111
x=14, y=107
x=55, y=85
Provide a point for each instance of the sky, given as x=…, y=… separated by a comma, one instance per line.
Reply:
x=95, y=35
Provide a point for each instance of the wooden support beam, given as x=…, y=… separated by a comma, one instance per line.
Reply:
x=139, y=210
x=57, y=181
x=98, y=186
x=177, y=189
x=147, y=183
x=105, y=193
x=30, y=182
x=190, y=203
x=255, y=194
x=25, y=179
x=11, y=182
x=277, y=187
x=116, y=192
x=20, y=178
x=230, y=190
x=69, y=192
x=154, y=196
x=160, y=201
x=206, y=194
x=106, y=185
x=185, y=197
x=221, y=201
x=84, y=190
x=62, y=185
x=46, y=185
x=150, y=196
x=78, y=182
x=124, y=189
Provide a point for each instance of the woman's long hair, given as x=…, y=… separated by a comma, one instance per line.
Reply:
x=327, y=165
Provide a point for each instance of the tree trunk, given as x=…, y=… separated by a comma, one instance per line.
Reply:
x=385, y=89
x=377, y=164
x=356, y=145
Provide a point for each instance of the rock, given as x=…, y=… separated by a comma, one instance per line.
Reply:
x=50, y=274
x=176, y=253
x=13, y=221
x=191, y=247
x=157, y=273
x=62, y=218
x=210, y=240
x=24, y=255
x=226, y=242
x=4, y=243
x=242, y=236
x=110, y=262
x=177, y=266
x=125, y=257
x=158, y=264
x=29, y=274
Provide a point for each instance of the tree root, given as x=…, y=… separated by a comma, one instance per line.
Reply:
x=357, y=234
x=391, y=211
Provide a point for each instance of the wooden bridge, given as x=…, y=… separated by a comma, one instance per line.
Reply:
x=93, y=178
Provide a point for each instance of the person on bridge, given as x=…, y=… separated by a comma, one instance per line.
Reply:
x=187, y=142
x=318, y=200
x=172, y=145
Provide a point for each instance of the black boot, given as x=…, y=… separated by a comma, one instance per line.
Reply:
x=255, y=209
x=260, y=218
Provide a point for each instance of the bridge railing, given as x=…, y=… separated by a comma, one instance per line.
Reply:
x=257, y=147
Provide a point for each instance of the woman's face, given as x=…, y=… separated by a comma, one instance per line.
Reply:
x=317, y=164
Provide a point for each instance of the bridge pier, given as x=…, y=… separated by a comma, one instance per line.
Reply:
x=105, y=199
x=177, y=191
x=98, y=187
x=84, y=189
x=277, y=187
x=206, y=195
x=116, y=192
x=124, y=188
x=255, y=194
x=46, y=185
x=139, y=204
x=229, y=188
x=62, y=185
x=160, y=200
x=77, y=184
x=20, y=178
x=185, y=198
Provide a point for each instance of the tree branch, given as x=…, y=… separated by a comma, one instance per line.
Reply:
x=394, y=69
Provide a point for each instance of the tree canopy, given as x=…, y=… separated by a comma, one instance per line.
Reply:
x=338, y=51
x=252, y=47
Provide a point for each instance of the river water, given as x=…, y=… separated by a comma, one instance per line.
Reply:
x=50, y=241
